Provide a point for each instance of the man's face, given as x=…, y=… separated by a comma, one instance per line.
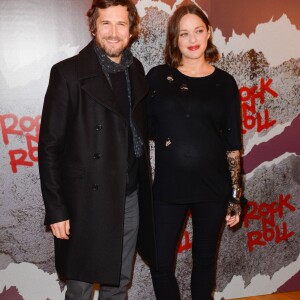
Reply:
x=112, y=31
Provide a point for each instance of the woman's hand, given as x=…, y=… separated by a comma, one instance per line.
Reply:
x=233, y=214
x=232, y=220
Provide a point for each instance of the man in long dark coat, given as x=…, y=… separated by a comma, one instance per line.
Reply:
x=93, y=158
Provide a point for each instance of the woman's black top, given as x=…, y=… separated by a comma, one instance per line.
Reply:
x=193, y=122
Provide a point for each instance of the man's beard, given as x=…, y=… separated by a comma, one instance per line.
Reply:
x=112, y=51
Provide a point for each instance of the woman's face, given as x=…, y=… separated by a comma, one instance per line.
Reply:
x=193, y=37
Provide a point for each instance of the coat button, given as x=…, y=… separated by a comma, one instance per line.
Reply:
x=98, y=127
x=153, y=94
x=95, y=187
x=96, y=155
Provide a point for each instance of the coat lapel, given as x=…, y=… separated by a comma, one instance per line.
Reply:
x=95, y=84
x=93, y=81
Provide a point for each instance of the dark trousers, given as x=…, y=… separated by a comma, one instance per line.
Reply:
x=207, y=220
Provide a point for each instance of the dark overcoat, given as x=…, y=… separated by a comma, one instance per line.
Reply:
x=83, y=167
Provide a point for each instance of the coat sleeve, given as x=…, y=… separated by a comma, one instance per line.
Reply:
x=51, y=146
x=150, y=103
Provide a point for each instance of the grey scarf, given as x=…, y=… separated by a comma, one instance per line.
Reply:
x=108, y=66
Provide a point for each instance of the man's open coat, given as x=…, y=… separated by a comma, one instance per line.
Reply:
x=83, y=167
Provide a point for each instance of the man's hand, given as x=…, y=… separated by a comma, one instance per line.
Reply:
x=61, y=230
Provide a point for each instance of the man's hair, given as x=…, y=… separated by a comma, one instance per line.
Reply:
x=93, y=14
x=172, y=52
